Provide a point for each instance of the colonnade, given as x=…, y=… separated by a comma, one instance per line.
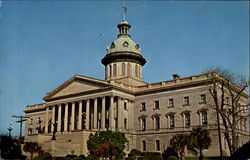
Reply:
x=98, y=113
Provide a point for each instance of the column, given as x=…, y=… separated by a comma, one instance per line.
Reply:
x=111, y=114
x=47, y=119
x=66, y=118
x=73, y=116
x=53, y=118
x=87, y=114
x=120, y=111
x=80, y=116
x=103, y=113
x=95, y=113
x=59, y=118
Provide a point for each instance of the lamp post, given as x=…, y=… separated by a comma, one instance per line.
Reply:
x=10, y=128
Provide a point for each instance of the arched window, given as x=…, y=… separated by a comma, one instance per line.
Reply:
x=123, y=69
x=187, y=119
x=112, y=45
x=115, y=70
x=128, y=69
x=125, y=44
x=204, y=117
x=156, y=120
x=136, y=70
x=171, y=121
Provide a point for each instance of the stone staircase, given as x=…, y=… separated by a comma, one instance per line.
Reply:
x=67, y=143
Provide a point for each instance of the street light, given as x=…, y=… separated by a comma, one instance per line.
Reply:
x=10, y=128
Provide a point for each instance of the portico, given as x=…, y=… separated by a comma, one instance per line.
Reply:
x=95, y=113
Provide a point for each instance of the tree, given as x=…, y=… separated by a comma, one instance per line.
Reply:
x=229, y=101
x=179, y=142
x=198, y=141
x=242, y=153
x=32, y=148
x=107, y=144
x=168, y=153
x=10, y=148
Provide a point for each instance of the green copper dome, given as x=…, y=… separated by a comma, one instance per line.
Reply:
x=124, y=44
x=123, y=48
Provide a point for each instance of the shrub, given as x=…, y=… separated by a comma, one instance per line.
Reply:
x=169, y=152
x=172, y=158
x=71, y=156
x=45, y=156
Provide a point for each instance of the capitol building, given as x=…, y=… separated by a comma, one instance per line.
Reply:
x=149, y=114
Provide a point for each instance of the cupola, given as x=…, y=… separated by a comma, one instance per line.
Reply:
x=123, y=59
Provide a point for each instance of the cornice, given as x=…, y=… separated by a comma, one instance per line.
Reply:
x=123, y=56
x=72, y=79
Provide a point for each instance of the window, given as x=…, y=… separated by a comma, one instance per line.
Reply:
x=143, y=146
x=125, y=44
x=171, y=103
x=157, y=145
x=125, y=106
x=172, y=121
x=157, y=105
x=125, y=123
x=114, y=70
x=137, y=46
x=227, y=100
x=204, y=117
x=157, y=122
x=203, y=99
x=186, y=101
x=112, y=45
x=144, y=122
x=143, y=106
x=123, y=69
x=187, y=119
x=31, y=121
x=128, y=69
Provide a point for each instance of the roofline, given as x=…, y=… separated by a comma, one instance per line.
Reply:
x=89, y=79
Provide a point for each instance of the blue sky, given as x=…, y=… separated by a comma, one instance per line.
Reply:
x=44, y=43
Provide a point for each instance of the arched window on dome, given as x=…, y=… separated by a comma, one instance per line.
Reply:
x=136, y=70
x=125, y=44
x=137, y=46
x=112, y=45
x=128, y=69
x=123, y=69
x=114, y=70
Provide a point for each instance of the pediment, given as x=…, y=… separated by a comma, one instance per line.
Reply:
x=77, y=84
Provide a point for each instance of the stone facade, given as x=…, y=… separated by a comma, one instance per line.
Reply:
x=148, y=114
